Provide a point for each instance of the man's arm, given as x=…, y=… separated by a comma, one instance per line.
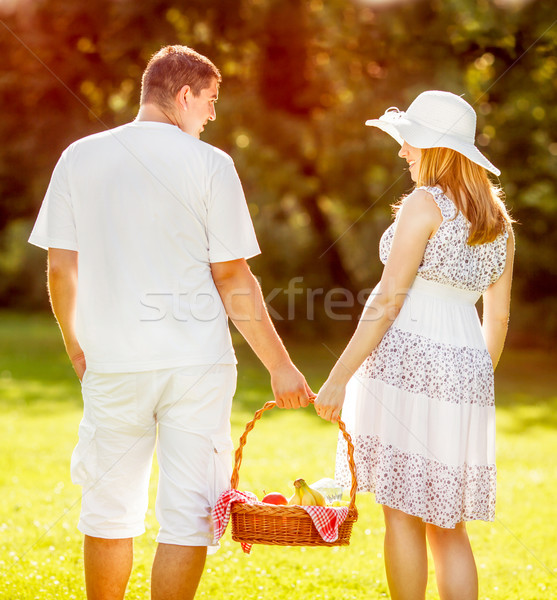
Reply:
x=244, y=304
x=62, y=289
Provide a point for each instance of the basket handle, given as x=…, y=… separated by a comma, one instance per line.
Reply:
x=271, y=404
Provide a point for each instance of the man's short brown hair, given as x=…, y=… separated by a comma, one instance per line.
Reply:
x=173, y=67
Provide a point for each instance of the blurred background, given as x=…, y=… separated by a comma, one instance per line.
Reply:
x=300, y=77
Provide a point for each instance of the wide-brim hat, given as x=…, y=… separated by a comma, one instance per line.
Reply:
x=436, y=120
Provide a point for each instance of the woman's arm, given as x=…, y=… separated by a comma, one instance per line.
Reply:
x=419, y=218
x=496, y=307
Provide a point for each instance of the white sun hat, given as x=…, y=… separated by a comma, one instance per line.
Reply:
x=436, y=120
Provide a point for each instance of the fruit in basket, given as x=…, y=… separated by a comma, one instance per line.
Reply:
x=306, y=496
x=275, y=498
x=296, y=498
x=340, y=503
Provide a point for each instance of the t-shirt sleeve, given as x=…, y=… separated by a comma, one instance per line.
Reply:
x=55, y=224
x=230, y=228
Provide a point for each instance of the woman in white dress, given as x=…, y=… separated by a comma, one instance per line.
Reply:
x=415, y=382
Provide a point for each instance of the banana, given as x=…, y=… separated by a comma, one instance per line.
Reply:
x=296, y=498
x=307, y=495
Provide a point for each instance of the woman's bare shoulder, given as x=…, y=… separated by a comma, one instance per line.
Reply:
x=421, y=202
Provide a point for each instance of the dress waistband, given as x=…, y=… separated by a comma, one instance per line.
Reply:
x=444, y=291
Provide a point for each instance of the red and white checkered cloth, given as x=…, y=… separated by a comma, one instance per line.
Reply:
x=327, y=519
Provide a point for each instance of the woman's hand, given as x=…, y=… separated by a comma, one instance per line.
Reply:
x=329, y=401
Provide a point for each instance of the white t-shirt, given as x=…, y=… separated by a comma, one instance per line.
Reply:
x=148, y=208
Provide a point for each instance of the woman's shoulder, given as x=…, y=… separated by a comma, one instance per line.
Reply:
x=423, y=194
x=418, y=210
x=422, y=201
x=440, y=200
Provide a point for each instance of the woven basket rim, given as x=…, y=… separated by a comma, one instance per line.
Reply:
x=280, y=510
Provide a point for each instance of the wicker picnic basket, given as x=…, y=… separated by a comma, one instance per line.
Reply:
x=285, y=525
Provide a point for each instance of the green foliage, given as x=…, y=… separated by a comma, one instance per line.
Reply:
x=299, y=80
x=40, y=548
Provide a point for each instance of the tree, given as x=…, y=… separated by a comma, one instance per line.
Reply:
x=300, y=78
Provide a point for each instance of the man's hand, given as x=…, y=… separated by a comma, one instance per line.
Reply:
x=78, y=363
x=290, y=387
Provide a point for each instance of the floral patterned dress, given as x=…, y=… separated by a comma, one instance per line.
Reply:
x=420, y=409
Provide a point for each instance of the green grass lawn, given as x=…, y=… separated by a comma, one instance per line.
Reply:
x=40, y=548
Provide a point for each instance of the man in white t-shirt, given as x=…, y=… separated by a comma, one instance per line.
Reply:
x=158, y=223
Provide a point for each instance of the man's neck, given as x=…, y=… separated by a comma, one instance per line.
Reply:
x=152, y=112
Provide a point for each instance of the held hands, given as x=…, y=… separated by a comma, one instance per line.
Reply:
x=329, y=401
x=290, y=387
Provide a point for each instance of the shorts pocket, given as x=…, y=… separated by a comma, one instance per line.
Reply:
x=84, y=457
x=220, y=465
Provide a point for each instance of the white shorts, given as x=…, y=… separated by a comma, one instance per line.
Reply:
x=190, y=407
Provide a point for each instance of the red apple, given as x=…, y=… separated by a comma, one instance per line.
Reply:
x=275, y=498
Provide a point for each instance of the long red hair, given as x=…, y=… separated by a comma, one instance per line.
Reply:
x=473, y=193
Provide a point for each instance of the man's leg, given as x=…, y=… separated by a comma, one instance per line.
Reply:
x=177, y=571
x=194, y=455
x=108, y=564
x=112, y=462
